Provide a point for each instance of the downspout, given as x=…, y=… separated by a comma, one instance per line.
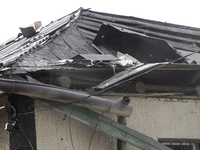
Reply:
x=53, y=93
x=121, y=145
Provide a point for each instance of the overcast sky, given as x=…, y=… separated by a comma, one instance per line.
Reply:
x=22, y=13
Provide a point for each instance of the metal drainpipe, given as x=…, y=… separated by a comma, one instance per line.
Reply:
x=121, y=107
x=121, y=145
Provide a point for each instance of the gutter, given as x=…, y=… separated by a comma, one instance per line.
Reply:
x=57, y=94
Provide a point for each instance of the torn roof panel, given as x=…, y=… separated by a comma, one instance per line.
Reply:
x=89, y=23
x=139, y=41
x=22, y=45
x=143, y=48
x=67, y=45
x=180, y=37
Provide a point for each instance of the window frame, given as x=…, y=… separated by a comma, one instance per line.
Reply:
x=180, y=143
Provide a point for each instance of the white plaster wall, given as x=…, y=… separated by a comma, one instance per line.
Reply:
x=52, y=129
x=4, y=135
x=164, y=118
x=156, y=118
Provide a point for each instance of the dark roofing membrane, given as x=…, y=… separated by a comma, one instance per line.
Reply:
x=98, y=50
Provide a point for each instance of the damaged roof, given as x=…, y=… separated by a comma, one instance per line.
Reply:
x=182, y=38
x=98, y=50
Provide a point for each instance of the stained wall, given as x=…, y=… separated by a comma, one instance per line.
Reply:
x=156, y=118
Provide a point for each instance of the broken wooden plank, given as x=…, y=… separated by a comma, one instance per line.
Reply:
x=196, y=77
x=153, y=95
x=141, y=88
x=108, y=126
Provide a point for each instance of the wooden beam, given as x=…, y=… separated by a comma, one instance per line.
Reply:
x=108, y=126
x=153, y=95
x=141, y=88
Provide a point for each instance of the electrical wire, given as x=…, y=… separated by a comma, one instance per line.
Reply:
x=14, y=117
x=112, y=86
x=119, y=84
x=24, y=69
x=31, y=112
x=14, y=112
x=97, y=125
x=26, y=136
x=71, y=138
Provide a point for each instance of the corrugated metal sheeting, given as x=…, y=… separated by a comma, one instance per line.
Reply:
x=20, y=46
x=184, y=39
x=98, y=50
x=180, y=37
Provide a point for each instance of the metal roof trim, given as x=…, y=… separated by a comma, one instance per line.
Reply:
x=99, y=57
x=9, y=54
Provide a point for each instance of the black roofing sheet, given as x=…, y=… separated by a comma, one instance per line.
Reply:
x=143, y=48
x=13, y=50
x=180, y=37
x=52, y=43
x=68, y=44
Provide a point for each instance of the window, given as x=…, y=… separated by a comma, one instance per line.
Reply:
x=182, y=144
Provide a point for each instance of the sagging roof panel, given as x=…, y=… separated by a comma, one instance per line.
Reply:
x=143, y=48
x=113, y=48
x=67, y=45
x=14, y=49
